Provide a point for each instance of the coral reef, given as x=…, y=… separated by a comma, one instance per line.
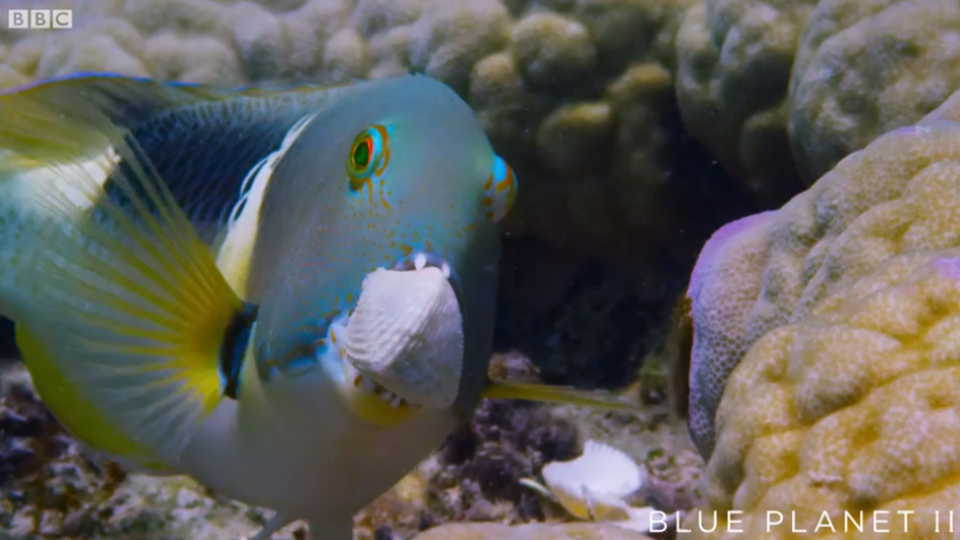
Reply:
x=780, y=91
x=476, y=475
x=845, y=304
x=488, y=531
x=865, y=68
x=821, y=373
x=735, y=59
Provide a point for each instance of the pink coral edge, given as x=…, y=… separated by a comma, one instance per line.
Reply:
x=715, y=245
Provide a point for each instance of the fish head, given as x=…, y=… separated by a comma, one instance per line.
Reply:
x=395, y=176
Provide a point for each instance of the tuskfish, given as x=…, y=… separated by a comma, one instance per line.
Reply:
x=286, y=294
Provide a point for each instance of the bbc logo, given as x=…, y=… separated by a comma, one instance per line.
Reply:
x=39, y=18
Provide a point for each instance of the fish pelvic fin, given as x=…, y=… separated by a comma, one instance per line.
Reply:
x=126, y=299
x=596, y=399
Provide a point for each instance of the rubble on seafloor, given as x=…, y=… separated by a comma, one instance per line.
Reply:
x=51, y=488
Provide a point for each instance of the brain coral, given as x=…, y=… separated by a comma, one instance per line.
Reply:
x=847, y=303
x=865, y=67
x=735, y=58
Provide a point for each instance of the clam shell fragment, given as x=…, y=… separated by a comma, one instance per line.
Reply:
x=406, y=334
x=594, y=485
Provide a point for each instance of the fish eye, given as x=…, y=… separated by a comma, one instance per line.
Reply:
x=369, y=155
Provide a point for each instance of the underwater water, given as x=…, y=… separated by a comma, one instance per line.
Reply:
x=706, y=252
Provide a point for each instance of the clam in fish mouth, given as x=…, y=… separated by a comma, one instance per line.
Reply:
x=404, y=339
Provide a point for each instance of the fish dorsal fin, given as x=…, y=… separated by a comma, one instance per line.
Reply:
x=205, y=142
x=126, y=298
x=123, y=101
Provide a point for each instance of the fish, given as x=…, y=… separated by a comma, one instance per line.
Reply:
x=286, y=294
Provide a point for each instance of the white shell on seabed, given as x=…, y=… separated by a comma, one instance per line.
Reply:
x=406, y=334
x=595, y=486
x=606, y=475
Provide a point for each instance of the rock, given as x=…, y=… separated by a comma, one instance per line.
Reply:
x=491, y=531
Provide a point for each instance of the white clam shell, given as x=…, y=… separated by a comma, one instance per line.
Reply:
x=594, y=485
x=406, y=334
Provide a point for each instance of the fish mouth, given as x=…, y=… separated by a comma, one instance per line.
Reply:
x=368, y=386
x=402, y=345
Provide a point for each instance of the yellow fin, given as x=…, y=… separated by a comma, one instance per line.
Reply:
x=129, y=303
x=74, y=412
x=557, y=394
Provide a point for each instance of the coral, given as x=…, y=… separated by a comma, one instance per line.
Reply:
x=865, y=68
x=492, y=531
x=197, y=59
x=452, y=36
x=552, y=50
x=846, y=302
x=780, y=91
x=735, y=59
x=724, y=286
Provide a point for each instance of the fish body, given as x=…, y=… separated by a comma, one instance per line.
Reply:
x=184, y=262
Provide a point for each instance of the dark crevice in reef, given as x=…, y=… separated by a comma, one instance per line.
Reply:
x=590, y=320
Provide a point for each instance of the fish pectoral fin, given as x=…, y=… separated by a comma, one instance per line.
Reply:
x=127, y=300
x=557, y=394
